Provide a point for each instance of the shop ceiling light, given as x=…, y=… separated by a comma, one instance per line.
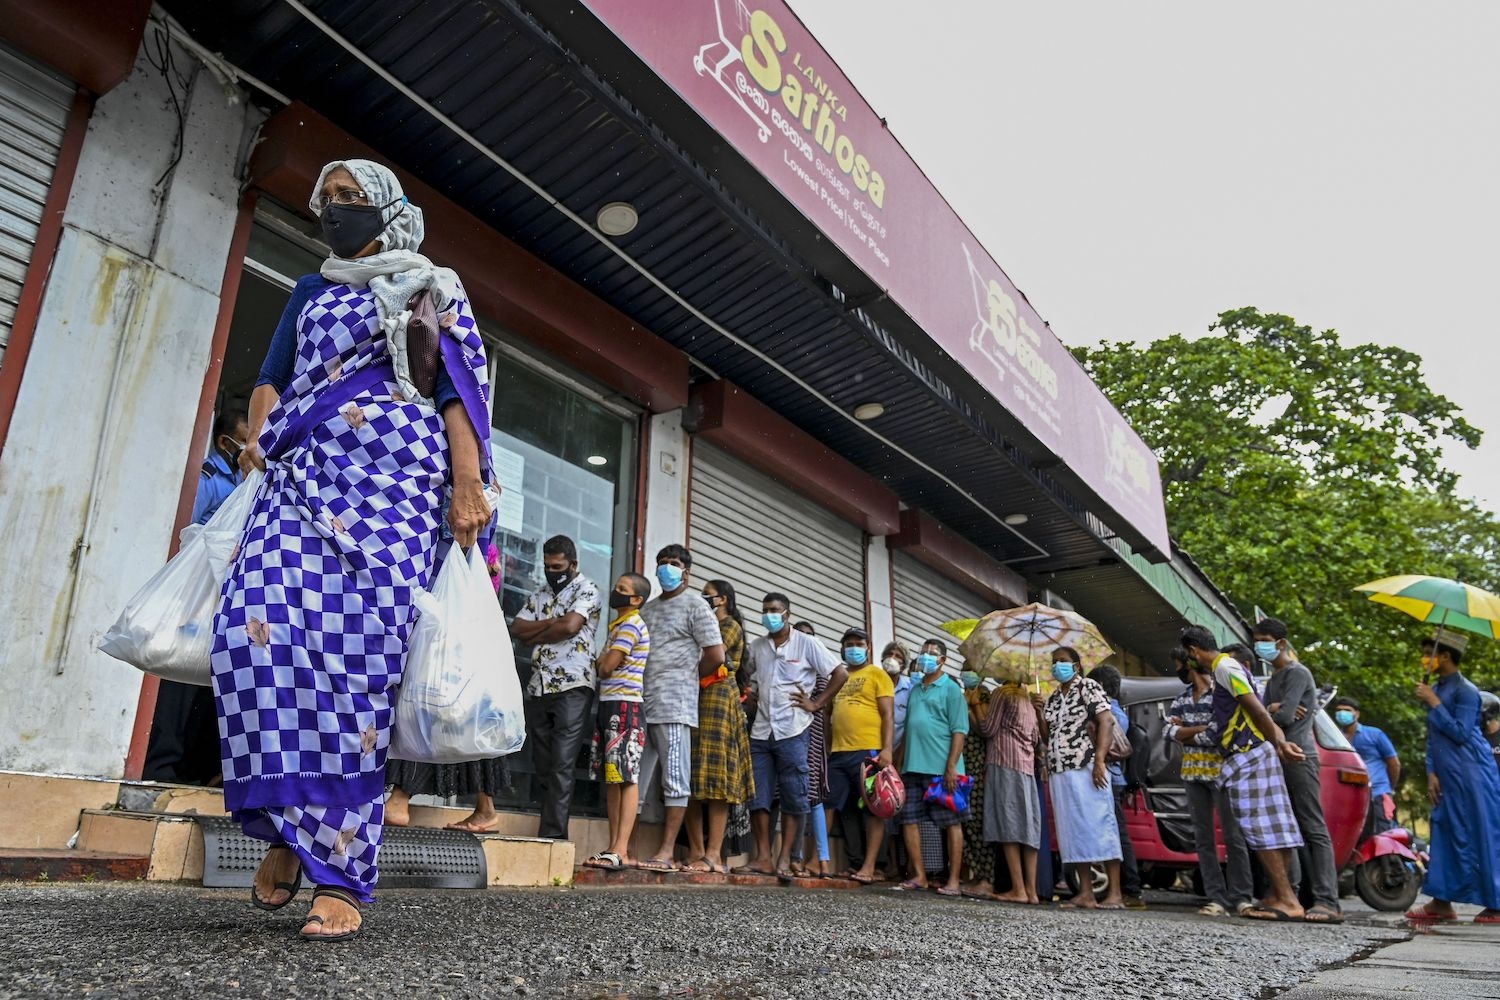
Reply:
x=868, y=411
x=617, y=218
x=1016, y=520
x=597, y=460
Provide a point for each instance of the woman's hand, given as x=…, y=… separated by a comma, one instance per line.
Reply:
x=1101, y=773
x=252, y=458
x=468, y=512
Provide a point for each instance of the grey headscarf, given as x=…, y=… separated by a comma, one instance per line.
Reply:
x=397, y=272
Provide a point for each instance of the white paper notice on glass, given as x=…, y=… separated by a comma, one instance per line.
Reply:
x=510, y=473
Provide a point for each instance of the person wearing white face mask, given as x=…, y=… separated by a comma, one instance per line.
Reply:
x=1292, y=700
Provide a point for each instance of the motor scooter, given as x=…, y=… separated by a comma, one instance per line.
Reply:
x=1389, y=868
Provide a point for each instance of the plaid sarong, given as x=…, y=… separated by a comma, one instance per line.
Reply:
x=1256, y=789
x=721, y=747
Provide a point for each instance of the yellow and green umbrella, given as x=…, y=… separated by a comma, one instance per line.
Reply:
x=1447, y=604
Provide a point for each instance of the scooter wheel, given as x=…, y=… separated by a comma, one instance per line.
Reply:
x=1388, y=883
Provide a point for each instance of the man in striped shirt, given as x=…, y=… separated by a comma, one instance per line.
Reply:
x=1189, y=723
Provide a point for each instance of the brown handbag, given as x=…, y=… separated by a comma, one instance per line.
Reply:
x=423, y=352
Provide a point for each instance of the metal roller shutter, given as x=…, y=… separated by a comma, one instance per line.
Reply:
x=34, y=108
x=924, y=599
x=746, y=528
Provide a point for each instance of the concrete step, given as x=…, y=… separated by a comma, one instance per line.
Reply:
x=41, y=810
x=44, y=865
x=171, y=842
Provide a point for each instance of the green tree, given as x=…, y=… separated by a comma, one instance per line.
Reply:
x=1296, y=468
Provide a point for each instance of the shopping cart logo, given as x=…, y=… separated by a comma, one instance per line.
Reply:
x=1127, y=463
x=718, y=58
x=1002, y=335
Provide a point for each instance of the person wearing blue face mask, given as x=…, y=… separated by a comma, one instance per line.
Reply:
x=864, y=725
x=786, y=665
x=1381, y=761
x=1292, y=700
x=1077, y=727
x=937, y=725
x=686, y=646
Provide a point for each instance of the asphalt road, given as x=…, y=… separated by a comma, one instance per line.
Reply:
x=137, y=940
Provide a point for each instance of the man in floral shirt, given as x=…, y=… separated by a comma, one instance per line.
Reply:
x=560, y=618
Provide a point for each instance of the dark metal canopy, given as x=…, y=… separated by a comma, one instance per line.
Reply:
x=526, y=84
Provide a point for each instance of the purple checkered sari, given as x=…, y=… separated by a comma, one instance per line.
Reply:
x=311, y=638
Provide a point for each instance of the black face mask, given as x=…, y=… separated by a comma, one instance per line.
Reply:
x=348, y=229
x=618, y=600
x=1182, y=674
x=557, y=581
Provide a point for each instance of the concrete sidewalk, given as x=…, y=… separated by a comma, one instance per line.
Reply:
x=1444, y=963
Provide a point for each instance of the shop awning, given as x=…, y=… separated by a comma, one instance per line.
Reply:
x=722, y=264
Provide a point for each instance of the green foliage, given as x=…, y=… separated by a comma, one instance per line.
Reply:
x=1297, y=468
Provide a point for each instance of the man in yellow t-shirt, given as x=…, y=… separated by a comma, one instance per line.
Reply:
x=864, y=726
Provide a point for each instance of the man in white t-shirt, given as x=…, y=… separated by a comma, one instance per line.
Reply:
x=785, y=666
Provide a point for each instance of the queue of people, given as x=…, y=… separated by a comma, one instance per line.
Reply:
x=729, y=737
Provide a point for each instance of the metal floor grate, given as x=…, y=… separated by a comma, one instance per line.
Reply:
x=410, y=858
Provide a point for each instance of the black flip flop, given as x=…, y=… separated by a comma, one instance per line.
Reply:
x=1273, y=914
x=344, y=896
x=290, y=887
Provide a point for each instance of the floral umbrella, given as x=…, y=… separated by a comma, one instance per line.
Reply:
x=1012, y=644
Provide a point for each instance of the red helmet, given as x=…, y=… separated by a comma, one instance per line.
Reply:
x=884, y=792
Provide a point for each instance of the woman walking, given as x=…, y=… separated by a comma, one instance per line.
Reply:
x=310, y=640
x=721, y=746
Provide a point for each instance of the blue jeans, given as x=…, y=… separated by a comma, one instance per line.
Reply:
x=783, y=764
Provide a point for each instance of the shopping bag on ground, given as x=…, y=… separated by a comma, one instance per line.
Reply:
x=167, y=628
x=460, y=697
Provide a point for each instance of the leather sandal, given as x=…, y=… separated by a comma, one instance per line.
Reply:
x=342, y=895
x=289, y=887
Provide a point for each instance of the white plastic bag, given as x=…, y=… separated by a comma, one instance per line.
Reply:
x=460, y=697
x=167, y=628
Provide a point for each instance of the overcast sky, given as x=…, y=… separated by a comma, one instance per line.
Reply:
x=1138, y=167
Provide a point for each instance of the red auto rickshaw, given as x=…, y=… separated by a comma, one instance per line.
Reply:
x=1161, y=830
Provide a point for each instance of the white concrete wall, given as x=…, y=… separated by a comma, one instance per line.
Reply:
x=93, y=464
x=667, y=479
x=878, y=591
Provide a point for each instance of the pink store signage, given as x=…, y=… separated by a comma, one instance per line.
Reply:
x=754, y=72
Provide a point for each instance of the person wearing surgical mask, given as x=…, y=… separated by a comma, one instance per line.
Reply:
x=1379, y=754
x=560, y=619
x=1292, y=700
x=937, y=724
x=1077, y=727
x=787, y=665
x=864, y=727
x=184, y=744
x=894, y=659
x=687, y=647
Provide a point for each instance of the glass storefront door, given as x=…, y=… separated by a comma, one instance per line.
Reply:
x=566, y=462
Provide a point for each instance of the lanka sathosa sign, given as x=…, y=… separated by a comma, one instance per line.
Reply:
x=755, y=73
